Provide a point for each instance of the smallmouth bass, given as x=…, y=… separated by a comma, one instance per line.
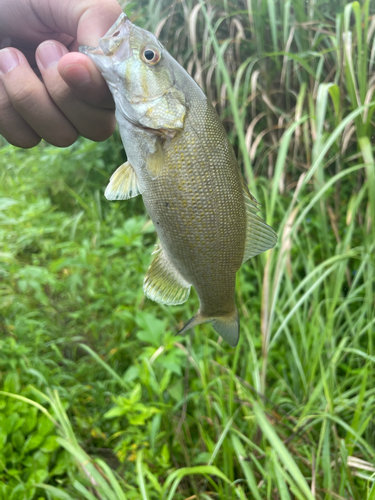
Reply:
x=181, y=162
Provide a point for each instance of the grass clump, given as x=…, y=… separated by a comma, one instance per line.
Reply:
x=131, y=411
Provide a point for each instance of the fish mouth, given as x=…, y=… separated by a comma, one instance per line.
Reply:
x=114, y=43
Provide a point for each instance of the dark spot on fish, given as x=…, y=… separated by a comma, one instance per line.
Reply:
x=167, y=204
x=157, y=222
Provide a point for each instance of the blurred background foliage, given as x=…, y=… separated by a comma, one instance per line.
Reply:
x=98, y=398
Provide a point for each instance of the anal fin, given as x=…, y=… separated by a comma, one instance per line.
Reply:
x=259, y=235
x=163, y=283
x=123, y=184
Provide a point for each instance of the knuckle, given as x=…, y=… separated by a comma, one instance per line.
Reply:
x=28, y=143
x=24, y=141
x=100, y=133
x=23, y=98
x=13, y=128
x=60, y=93
x=29, y=102
x=64, y=139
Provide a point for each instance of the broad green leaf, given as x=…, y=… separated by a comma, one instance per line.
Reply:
x=32, y=442
x=50, y=444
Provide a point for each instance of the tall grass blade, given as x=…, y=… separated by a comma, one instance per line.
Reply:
x=105, y=365
x=55, y=492
x=141, y=476
x=233, y=104
x=249, y=475
x=282, y=452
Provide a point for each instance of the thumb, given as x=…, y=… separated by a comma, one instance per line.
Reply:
x=96, y=20
x=85, y=21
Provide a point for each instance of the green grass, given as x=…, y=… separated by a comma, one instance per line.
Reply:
x=98, y=398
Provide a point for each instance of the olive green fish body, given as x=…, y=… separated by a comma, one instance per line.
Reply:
x=197, y=207
x=181, y=162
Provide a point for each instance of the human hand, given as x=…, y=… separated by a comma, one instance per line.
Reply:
x=72, y=98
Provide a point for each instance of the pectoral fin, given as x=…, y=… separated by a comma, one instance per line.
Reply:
x=259, y=235
x=155, y=161
x=123, y=183
x=163, y=283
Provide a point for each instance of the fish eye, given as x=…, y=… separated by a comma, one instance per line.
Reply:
x=151, y=56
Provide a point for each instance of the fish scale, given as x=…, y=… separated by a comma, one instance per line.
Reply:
x=181, y=162
x=197, y=227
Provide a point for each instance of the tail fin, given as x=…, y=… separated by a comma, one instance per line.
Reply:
x=227, y=326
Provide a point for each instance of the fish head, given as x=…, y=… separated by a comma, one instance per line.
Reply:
x=140, y=74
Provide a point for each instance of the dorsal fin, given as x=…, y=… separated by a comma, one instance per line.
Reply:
x=259, y=235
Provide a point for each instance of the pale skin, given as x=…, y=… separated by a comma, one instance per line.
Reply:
x=47, y=89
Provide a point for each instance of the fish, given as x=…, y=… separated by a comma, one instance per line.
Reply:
x=179, y=159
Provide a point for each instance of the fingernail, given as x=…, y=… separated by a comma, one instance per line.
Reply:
x=77, y=75
x=8, y=61
x=49, y=54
